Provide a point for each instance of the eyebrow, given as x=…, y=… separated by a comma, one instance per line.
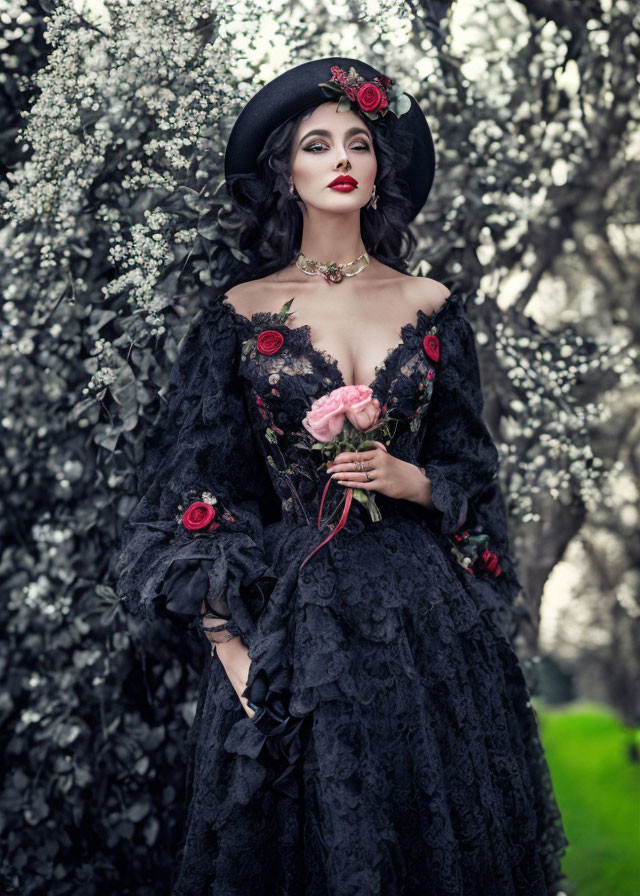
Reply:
x=348, y=133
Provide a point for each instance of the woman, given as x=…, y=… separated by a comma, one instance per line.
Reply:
x=363, y=726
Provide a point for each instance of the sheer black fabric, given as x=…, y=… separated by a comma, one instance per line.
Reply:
x=395, y=749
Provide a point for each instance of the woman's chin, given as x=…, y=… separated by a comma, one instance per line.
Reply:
x=339, y=203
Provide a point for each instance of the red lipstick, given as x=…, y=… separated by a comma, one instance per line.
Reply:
x=344, y=183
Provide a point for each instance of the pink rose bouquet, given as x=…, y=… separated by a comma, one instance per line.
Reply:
x=346, y=419
x=326, y=419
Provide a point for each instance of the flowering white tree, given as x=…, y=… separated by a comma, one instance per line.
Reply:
x=111, y=201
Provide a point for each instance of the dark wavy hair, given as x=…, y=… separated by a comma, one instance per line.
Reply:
x=270, y=230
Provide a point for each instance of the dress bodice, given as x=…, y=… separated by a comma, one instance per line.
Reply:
x=283, y=373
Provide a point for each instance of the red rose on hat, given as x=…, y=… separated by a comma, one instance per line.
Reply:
x=198, y=516
x=369, y=97
x=269, y=342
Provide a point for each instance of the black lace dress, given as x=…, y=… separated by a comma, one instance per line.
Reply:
x=410, y=762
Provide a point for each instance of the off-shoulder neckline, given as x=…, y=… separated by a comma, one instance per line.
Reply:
x=422, y=318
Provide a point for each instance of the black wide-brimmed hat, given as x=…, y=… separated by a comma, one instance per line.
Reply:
x=355, y=84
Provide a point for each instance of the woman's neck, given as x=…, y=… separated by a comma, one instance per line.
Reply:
x=332, y=238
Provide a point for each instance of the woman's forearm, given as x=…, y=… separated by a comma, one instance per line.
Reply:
x=234, y=656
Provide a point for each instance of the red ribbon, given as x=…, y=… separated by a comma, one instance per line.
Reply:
x=343, y=519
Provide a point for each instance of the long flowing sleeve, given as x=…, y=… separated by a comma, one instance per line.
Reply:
x=203, y=490
x=458, y=453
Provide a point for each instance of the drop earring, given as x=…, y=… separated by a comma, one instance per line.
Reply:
x=373, y=201
x=292, y=190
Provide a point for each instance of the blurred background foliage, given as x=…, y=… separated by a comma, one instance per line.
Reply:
x=114, y=120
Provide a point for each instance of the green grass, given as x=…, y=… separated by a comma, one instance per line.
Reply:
x=597, y=787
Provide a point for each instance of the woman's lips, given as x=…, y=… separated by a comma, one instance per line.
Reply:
x=343, y=188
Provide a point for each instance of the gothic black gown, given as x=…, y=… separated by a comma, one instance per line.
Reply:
x=415, y=767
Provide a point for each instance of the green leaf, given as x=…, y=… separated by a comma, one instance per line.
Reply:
x=284, y=311
x=374, y=510
x=106, y=591
x=138, y=811
x=106, y=436
x=403, y=104
x=142, y=765
x=151, y=830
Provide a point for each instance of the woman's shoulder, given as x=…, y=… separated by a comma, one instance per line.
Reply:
x=423, y=293
x=219, y=308
x=251, y=296
x=430, y=294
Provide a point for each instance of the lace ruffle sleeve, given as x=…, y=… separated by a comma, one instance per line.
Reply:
x=459, y=455
x=197, y=529
x=457, y=452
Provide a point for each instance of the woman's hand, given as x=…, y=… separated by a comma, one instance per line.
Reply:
x=388, y=475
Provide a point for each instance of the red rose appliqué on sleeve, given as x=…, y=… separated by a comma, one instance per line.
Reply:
x=489, y=560
x=199, y=516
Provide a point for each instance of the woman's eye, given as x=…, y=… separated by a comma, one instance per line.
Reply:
x=311, y=146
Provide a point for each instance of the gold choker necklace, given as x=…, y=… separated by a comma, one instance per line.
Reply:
x=332, y=272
